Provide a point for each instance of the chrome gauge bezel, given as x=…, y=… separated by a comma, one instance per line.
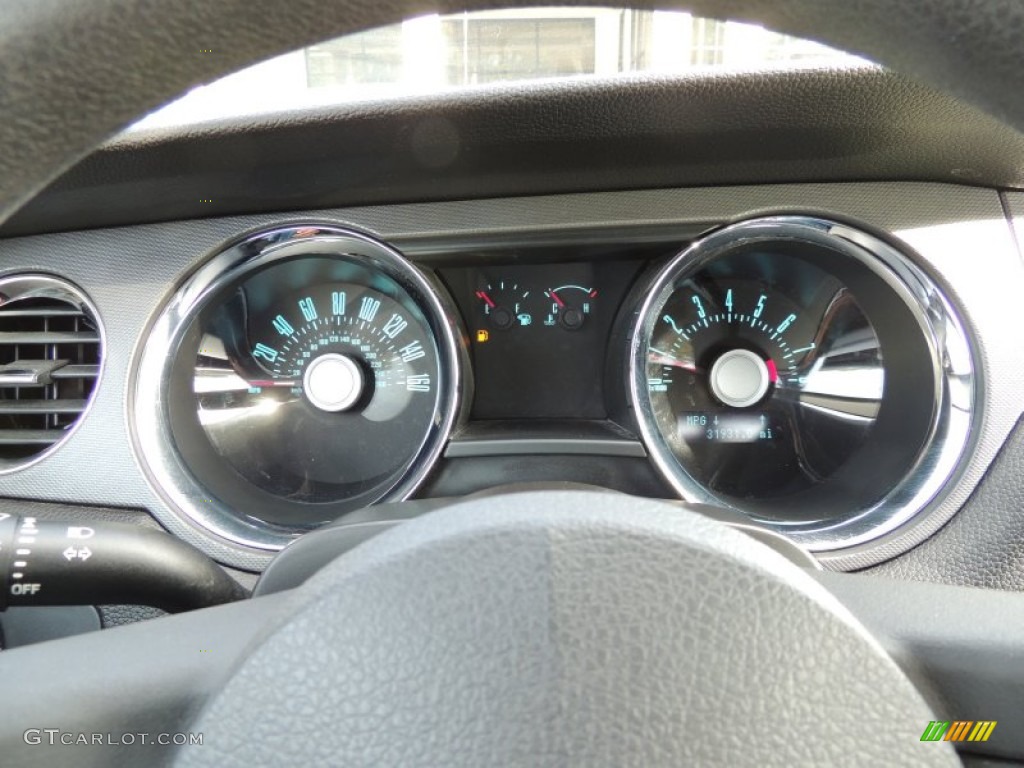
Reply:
x=148, y=410
x=949, y=349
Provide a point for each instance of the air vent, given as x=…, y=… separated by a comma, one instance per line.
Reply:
x=50, y=355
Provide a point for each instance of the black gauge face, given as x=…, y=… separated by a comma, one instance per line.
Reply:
x=781, y=371
x=311, y=386
x=571, y=306
x=504, y=305
x=763, y=388
x=317, y=394
x=547, y=357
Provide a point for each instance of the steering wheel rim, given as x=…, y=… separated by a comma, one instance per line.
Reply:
x=562, y=628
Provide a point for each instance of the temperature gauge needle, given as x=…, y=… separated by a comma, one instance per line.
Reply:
x=558, y=301
x=658, y=357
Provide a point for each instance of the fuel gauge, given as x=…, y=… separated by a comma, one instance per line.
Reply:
x=505, y=305
x=570, y=306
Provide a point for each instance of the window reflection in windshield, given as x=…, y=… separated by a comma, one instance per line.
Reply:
x=434, y=53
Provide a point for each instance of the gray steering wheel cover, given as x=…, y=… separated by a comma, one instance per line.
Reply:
x=76, y=71
x=566, y=628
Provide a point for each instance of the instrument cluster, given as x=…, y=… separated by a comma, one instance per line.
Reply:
x=803, y=372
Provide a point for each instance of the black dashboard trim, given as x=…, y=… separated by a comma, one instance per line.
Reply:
x=859, y=123
x=461, y=449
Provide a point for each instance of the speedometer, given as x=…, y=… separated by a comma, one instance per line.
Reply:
x=804, y=373
x=314, y=372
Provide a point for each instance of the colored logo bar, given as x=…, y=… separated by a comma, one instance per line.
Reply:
x=958, y=730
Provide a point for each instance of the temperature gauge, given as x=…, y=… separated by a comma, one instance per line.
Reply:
x=570, y=306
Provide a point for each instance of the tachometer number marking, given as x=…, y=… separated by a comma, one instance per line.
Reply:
x=395, y=326
x=701, y=313
x=760, y=306
x=808, y=348
x=671, y=322
x=785, y=324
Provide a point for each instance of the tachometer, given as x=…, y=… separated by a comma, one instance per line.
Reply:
x=795, y=379
x=804, y=373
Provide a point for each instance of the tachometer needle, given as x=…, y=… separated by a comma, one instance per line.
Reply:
x=658, y=357
x=487, y=299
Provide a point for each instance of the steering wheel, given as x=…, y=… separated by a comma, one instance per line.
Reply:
x=612, y=631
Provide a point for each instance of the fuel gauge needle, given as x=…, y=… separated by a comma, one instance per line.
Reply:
x=658, y=357
x=486, y=299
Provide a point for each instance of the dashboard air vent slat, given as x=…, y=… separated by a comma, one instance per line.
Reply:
x=76, y=372
x=43, y=312
x=46, y=337
x=42, y=406
x=50, y=359
x=32, y=437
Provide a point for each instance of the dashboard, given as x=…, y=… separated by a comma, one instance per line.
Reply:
x=561, y=336
x=830, y=361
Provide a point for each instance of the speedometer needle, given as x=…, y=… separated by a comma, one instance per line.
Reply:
x=658, y=357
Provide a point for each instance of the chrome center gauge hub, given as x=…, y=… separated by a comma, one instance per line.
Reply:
x=739, y=378
x=333, y=382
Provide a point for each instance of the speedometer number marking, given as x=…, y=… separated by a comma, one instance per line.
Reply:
x=412, y=352
x=368, y=309
x=395, y=326
x=338, y=302
x=418, y=383
x=308, y=309
x=282, y=326
x=263, y=351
